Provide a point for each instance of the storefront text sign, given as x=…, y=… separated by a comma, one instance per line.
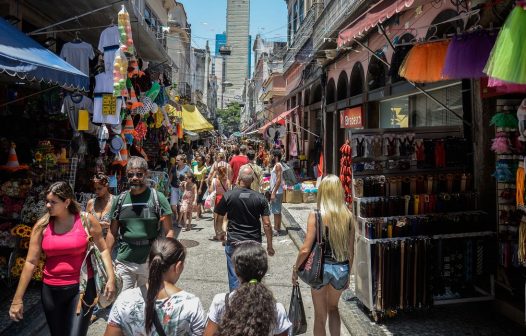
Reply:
x=351, y=118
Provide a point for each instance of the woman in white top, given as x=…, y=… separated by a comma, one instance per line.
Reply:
x=251, y=309
x=177, y=312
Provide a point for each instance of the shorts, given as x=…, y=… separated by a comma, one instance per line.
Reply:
x=174, y=196
x=337, y=275
x=275, y=205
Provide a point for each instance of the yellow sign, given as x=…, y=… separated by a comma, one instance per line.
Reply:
x=109, y=105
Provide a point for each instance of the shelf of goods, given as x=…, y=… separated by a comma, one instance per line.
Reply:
x=421, y=241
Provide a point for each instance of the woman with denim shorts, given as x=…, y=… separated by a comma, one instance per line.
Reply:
x=338, y=237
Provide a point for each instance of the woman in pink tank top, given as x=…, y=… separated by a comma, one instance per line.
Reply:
x=61, y=236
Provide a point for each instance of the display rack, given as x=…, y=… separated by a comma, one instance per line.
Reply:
x=407, y=253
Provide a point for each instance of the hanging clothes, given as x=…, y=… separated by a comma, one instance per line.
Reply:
x=467, y=54
x=424, y=62
x=293, y=144
x=506, y=62
x=106, y=107
x=72, y=105
x=78, y=54
x=108, y=45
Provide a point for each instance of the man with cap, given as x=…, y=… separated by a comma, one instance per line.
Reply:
x=139, y=216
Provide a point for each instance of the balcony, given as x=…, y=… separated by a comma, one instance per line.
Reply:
x=336, y=14
x=301, y=36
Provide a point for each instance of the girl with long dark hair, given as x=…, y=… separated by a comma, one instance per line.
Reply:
x=177, y=312
x=251, y=309
x=61, y=236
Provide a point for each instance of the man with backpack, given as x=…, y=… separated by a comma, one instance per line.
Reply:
x=138, y=216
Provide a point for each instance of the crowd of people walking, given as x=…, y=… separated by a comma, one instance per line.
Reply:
x=133, y=235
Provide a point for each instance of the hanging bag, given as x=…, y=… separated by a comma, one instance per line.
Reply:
x=297, y=313
x=311, y=271
x=99, y=272
x=288, y=174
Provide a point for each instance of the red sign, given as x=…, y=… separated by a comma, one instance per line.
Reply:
x=351, y=117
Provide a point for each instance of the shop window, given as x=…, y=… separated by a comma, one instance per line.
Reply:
x=301, y=10
x=377, y=71
x=394, y=113
x=429, y=113
x=295, y=17
x=357, y=79
x=331, y=92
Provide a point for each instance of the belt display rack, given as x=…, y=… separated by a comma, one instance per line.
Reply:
x=421, y=240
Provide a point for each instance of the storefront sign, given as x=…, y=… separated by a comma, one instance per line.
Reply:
x=351, y=117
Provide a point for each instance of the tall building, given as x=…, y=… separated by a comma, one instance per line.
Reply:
x=237, y=32
x=220, y=41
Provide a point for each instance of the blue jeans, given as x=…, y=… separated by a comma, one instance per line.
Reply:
x=233, y=281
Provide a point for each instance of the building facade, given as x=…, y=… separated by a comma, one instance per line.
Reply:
x=237, y=63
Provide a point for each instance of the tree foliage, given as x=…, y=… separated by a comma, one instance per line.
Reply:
x=230, y=117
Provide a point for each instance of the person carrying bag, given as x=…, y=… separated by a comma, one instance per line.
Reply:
x=297, y=313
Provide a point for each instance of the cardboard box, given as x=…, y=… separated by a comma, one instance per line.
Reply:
x=294, y=196
x=309, y=197
x=285, y=196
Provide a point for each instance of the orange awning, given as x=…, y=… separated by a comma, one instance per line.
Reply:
x=278, y=120
x=376, y=15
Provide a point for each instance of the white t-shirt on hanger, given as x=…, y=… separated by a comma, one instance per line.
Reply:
x=78, y=55
x=109, y=44
x=104, y=86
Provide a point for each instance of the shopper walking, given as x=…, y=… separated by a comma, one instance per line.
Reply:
x=220, y=162
x=175, y=177
x=60, y=235
x=258, y=172
x=138, y=217
x=234, y=313
x=200, y=173
x=338, y=237
x=100, y=206
x=245, y=208
x=189, y=200
x=161, y=304
x=276, y=190
x=220, y=185
x=239, y=159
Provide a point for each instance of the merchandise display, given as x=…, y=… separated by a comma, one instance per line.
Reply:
x=412, y=196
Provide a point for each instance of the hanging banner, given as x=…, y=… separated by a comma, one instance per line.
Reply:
x=351, y=118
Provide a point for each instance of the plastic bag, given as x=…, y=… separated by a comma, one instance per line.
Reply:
x=297, y=313
x=210, y=200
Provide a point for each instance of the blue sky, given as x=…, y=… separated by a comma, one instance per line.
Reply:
x=208, y=18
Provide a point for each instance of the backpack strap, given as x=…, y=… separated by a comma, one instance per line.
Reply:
x=156, y=203
x=226, y=301
x=120, y=202
x=156, y=322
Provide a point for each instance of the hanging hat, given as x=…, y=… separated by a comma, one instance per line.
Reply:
x=12, y=161
x=117, y=129
x=148, y=104
x=128, y=130
x=122, y=157
x=116, y=144
x=154, y=91
x=63, y=159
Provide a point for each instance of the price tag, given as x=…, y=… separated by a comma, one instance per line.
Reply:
x=109, y=105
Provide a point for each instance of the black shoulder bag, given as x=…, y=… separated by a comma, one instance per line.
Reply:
x=311, y=271
x=156, y=322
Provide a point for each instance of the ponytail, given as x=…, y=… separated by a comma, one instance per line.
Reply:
x=164, y=253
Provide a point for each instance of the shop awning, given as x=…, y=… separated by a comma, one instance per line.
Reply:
x=25, y=58
x=194, y=121
x=279, y=120
x=378, y=14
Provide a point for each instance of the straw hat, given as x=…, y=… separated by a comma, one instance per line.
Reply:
x=116, y=144
x=12, y=161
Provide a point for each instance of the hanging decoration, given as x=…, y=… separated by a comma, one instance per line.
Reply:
x=507, y=61
x=424, y=62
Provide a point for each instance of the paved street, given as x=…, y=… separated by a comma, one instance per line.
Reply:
x=205, y=271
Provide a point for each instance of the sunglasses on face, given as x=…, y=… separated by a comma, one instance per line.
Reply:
x=137, y=174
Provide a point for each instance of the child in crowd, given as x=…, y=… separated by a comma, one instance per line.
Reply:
x=189, y=200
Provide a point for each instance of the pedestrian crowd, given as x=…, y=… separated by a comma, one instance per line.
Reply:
x=121, y=254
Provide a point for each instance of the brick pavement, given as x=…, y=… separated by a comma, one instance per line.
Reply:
x=474, y=319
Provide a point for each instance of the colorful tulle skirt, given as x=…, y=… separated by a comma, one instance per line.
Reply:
x=424, y=62
x=506, y=87
x=467, y=54
x=507, y=61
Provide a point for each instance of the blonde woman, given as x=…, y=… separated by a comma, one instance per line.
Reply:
x=338, y=235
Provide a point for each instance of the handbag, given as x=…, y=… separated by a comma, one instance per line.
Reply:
x=297, y=313
x=99, y=271
x=311, y=271
x=210, y=200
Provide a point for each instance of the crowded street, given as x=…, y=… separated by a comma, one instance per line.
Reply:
x=256, y=168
